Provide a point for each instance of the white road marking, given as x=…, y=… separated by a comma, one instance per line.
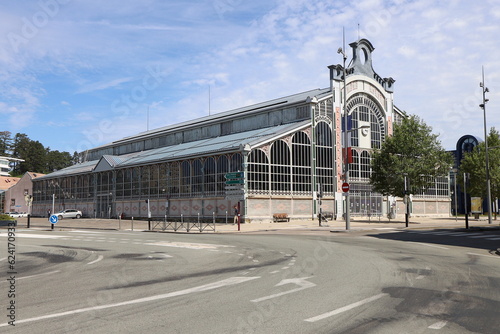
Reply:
x=301, y=282
x=2, y=259
x=274, y=272
x=438, y=325
x=81, y=231
x=39, y=236
x=494, y=238
x=479, y=236
x=189, y=245
x=32, y=276
x=211, y=286
x=424, y=244
x=99, y=258
x=346, y=308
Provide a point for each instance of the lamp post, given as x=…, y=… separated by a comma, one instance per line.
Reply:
x=455, y=172
x=466, y=177
x=346, y=145
x=488, y=181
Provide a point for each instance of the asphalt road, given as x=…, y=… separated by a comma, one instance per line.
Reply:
x=363, y=282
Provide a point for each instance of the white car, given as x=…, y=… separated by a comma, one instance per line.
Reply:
x=69, y=213
x=17, y=214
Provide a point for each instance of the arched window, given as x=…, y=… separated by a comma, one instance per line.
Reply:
x=301, y=163
x=127, y=183
x=364, y=165
x=258, y=172
x=162, y=179
x=366, y=112
x=174, y=179
x=222, y=169
x=354, y=166
x=119, y=184
x=236, y=163
x=324, y=157
x=280, y=167
x=145, y=176
x=210, y=174
x=153, y=182
x=185, y=179
x=197, y=178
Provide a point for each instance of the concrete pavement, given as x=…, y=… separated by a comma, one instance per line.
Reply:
x=357, y=224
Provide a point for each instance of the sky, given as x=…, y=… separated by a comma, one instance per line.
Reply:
x=77, y=74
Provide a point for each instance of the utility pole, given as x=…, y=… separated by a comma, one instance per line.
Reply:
x=488, y=181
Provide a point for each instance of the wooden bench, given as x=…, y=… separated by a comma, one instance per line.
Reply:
x=277, y=217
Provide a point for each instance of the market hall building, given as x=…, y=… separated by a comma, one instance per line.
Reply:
x=270, y=157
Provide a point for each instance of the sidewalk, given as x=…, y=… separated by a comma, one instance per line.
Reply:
x=356, y=224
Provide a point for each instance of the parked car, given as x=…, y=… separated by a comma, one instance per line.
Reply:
x=17, y=214
x=69, y=213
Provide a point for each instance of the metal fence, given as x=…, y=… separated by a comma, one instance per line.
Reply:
x=184, y=223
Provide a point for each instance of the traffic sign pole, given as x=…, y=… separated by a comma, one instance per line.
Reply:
x=53, y=220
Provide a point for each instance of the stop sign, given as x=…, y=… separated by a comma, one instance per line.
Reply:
x=345, y=187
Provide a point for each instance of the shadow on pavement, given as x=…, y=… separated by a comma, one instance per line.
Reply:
x=479, y=238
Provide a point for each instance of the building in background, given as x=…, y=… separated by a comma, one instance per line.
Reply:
x=271, y=157
x=6, y=165
x=5, y=183
x=18, y=198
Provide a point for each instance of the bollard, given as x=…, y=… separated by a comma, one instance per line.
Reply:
x=28, y=225
x=199, y=224
x=119, y=222
x=226, y=217
x=132, y=223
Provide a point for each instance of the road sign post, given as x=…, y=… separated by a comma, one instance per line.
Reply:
x=53, y=220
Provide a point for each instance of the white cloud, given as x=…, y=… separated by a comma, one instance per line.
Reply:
x=95, y=86
x=91, y=54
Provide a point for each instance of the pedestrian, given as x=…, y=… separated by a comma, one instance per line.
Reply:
x=236, y=214
x=48, y=214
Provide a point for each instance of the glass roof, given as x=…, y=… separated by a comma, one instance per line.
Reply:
x=223, y=144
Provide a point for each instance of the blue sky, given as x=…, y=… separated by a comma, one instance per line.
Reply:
x=77, y=74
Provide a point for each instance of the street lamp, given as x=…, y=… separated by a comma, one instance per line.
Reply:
x=488, y=182
x=346, y=143
x=346, y=138
x=454, y=171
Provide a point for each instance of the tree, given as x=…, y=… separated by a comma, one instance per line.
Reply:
x=412, y=153
x=474, y=163
x=36, y=157
x=5, y=143
x=57, y=160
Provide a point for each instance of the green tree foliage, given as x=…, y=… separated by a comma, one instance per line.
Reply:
x=474, y=163
x=5, y=143
x=36, y=157
x=412, y=151
x=57, y=160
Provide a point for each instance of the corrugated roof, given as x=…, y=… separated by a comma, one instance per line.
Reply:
x=81, y=168
x=286, y=100
x=230, y=143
